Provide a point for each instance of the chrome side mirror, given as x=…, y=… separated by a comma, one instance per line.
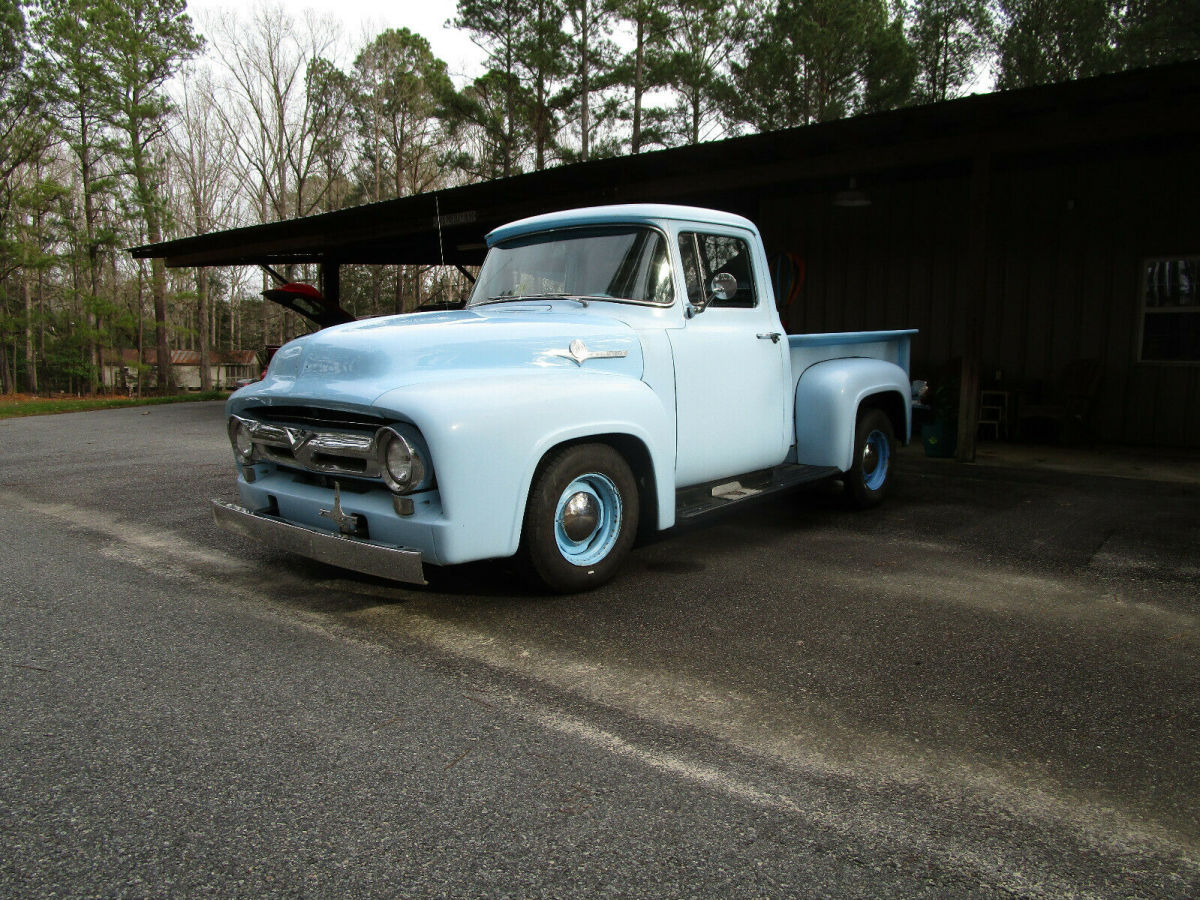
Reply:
x=723, y=286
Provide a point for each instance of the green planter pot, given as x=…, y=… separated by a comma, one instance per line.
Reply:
x=940, y=438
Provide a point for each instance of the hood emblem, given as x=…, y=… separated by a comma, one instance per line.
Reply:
x=579, y=353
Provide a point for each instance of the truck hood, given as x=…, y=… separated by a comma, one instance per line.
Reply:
x=355, y=363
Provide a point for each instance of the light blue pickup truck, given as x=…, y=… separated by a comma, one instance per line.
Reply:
x=616, y=369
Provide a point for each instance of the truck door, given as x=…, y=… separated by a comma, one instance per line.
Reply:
x=731, y=375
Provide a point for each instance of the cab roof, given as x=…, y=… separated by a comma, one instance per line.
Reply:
x=618, y=214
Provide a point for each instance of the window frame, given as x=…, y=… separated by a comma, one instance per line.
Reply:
x=695, y=231
x=1144, y=310
x=597, y=226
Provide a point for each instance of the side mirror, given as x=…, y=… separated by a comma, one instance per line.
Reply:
x=723, y=286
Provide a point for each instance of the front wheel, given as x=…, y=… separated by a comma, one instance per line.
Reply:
x=581, y=518
x=870, y=473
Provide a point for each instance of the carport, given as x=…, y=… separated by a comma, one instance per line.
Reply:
x=1018, y=231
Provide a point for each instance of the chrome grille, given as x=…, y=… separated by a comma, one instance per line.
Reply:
x=326, y=452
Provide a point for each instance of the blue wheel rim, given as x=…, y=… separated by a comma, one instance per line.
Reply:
x=591, y=548
x=877, y=456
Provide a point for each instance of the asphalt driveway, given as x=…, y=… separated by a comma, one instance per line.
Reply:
x=988, y=687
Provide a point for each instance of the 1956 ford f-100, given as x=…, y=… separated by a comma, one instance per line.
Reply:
x=615, y=367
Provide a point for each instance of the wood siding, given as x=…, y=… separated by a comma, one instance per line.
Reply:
x=1066, y=239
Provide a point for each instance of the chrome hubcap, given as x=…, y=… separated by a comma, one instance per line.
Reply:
x=580, y=516
x=870, y=458
x=587, y=519
x=876, y=457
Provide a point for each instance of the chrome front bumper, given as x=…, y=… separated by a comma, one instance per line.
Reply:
x=349, y=553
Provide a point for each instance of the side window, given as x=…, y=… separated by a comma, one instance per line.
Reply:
x=704, y=255
x=693, y=276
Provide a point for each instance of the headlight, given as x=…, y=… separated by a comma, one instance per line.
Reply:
x=239, y=436
x=401, y=464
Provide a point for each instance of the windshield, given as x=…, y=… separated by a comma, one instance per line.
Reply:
x=614, y=263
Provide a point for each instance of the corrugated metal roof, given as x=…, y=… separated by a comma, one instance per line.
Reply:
x=1135, y=106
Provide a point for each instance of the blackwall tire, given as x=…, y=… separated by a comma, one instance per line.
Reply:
x=581, y=518
x=873, y=469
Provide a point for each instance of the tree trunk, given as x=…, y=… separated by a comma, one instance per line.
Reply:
x=30, y=362
x=6, y=380
x=636, y=141
x=7, y=383
x=585, y=101
x=141, y=332
x=93, y=254
x=41, y=305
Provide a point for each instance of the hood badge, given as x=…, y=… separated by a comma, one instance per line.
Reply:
x=579, y=352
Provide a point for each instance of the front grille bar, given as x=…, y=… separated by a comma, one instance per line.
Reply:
x=327, y=452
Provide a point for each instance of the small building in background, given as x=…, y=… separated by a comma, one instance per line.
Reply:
x=121, y=371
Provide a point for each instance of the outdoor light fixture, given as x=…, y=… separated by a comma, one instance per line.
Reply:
x=852, y=196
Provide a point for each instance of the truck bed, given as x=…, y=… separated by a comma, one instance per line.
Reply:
x=809, y=349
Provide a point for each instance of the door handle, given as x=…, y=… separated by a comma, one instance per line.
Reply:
x=772, y=336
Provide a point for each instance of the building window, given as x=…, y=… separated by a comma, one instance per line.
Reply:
x=1170, y=310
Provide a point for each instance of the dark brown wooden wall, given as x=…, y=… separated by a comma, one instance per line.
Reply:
x=1066, y=238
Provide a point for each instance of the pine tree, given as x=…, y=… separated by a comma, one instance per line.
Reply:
x=950, y=39
x=70, y=77
x=544, y=52
x=703, y=36
x=1158, y=31
x=144, y=43
x=498, y=27
x=402, y=89
x=592, y=69
x=1048, y=41
x=643, y=67
x=817, y=60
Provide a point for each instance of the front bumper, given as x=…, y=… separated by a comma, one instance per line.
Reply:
x=349, y=553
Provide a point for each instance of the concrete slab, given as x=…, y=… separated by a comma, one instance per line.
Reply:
x=1178, y=466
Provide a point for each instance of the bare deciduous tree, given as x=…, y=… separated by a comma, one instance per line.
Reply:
x=201, y=161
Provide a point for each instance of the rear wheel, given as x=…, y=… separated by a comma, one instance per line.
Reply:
x=871, y=472
x=581, y=518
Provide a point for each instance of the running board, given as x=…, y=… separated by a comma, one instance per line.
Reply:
x=705, y=498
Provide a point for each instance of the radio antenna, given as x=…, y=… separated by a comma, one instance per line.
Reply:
x=441, y=248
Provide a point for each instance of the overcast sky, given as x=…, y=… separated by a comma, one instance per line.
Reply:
x=362, y=17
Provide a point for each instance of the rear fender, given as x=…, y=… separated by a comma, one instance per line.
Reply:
x=828, y=397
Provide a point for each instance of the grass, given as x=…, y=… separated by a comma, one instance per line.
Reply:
x=13, y=405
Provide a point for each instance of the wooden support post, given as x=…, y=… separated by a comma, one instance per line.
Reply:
x=975, y=302
x=331, y=281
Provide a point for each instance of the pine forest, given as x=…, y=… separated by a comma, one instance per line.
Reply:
x=128, y=122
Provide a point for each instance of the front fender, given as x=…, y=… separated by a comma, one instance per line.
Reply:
x=486, y=437
x=828, y=396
